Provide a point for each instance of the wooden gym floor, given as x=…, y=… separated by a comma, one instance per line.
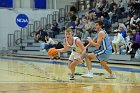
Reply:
x=28, y=75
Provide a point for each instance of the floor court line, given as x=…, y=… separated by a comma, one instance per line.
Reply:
x=127, y=69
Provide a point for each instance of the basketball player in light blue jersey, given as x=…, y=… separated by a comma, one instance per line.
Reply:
x=103, y=51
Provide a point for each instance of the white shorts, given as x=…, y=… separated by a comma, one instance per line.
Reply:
x=74, y=56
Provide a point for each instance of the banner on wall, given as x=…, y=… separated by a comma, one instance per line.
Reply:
x=22, y=20
x=6, y=3
x=40, y=4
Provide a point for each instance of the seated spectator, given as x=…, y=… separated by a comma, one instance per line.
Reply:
x=78, y=33
x=87, y=25
x=81, y=24
x=133, y=21
x=128, y=40
x=105, y=14
x=138, y=26
x=85, y=34
x=73, y=17
x=106, y=23
x=117, y=42
x=55, y=29
x=49, y=43
x=40, y=35
x=73, y=9
x=121, y=25
x=115, y=14
x=136, y=40
x=122, y=32
x=72, y=24
x=127, y=20
x=37, y=37
x=121, y=6
x=112, y=3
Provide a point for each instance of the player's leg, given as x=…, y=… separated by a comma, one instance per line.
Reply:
x=103, y=58
x=105, y=66
x=71, y=59
x=76, y=60
x=89, y=57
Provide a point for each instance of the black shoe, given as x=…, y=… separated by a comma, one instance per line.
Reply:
x=71, y=77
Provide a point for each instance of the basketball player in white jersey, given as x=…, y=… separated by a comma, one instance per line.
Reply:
x=78, y=51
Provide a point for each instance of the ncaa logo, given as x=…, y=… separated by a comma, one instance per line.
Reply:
x=22, y=20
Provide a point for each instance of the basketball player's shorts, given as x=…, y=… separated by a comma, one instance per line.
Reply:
x=74, y=56
x=102, y=57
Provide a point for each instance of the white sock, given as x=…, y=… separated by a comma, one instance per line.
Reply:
x=90, y=71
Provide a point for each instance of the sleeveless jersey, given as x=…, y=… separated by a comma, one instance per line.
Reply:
x=105, y=45
x=74, y=47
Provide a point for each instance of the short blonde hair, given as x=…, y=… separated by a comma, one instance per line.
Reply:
x=68, y=30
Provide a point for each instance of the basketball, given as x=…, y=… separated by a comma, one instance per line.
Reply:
x=52, y=52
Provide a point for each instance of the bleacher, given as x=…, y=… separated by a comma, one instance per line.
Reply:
x=32, y=49
x=28, y=48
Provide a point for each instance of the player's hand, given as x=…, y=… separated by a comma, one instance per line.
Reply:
x=89, y=39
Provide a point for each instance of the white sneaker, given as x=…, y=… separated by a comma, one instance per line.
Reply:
x=111, y=76
x=43, y=50
x=88, y=74
x=113, y=53
x=118, y=53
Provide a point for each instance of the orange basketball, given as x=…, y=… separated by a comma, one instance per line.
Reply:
x=52, y=52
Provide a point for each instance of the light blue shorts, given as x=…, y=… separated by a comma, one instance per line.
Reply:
x=103, y=56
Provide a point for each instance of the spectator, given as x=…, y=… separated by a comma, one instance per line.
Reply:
x=73, y=9
x=122, y=31
x=138, y=26
x=49, y=43
x=115, y=14
x=136, y=40
x=78, y=33
x=133, y=21
x=128, y=41
x=121, y=6
x=104, y=13
x=87, y=25
x=73, y=17
x=37, y=37
x=85, y=34
x=106, y=23
x=117, y=42
x=55, y=29
x=40, y=35
x=111, y=5
x=121, y=25
x=128, y=20
x=81, y=24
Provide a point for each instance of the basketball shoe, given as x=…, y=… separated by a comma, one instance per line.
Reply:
x=111, y=76
x=88, y=74
x=71, y=77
